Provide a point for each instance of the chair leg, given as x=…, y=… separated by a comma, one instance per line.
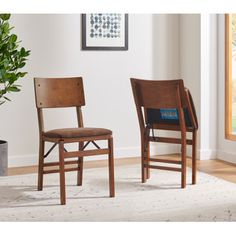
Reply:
x=62, y=173
x=40, y=165
x=143, y=170
x=80, y=165
x=194, y=157
x=111, y=168
x=183, y=159
x=148, y=160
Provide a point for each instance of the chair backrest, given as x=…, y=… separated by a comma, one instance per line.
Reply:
x=157, y=93
x=59, y=92
x=161, y=101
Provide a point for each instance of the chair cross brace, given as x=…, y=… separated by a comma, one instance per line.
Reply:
x=50, y=150
x=55, y=144
x=89, y=143
x=95, y=145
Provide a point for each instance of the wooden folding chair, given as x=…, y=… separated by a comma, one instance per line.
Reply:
x=165, y=105
x=68, y=92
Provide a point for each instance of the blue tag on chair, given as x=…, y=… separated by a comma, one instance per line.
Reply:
x=166, y=116
x=169, y=114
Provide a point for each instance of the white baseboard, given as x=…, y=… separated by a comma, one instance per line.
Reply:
x=207, y=154
x=227, y=156
x=203, y=154
x=156, y=149
x=23, y=160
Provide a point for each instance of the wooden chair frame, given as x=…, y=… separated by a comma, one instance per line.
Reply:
x=67, y=92
x=163, y=95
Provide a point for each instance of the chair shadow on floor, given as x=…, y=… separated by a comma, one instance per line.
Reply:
x=135, y=185
x=13, y=195
x=19, y=196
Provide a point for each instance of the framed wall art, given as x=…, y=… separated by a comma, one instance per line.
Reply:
x=105, y=31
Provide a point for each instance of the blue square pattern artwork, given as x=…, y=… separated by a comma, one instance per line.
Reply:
x=105, y=25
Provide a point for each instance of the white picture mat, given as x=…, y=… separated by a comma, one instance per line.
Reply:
x=105, y=42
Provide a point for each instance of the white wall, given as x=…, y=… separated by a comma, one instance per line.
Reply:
x=208, y=92
x=199, y=38
x=166, y=63
x=156, y=51
x=190, y=48
x=55, y=43
x=212, y=91
x=177, y=54
x=190, y=53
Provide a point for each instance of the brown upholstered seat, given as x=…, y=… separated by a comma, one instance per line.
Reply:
x=76, y=132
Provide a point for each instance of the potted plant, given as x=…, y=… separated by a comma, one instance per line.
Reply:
x=12, y=60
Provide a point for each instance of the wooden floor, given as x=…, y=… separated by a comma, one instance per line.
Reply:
x=216, y=168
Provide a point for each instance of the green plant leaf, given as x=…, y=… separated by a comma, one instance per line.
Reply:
x=21, y=74
x=5, y=16
x=24, y=53
x=21, y=65
x=11, y=77
x=13, y=38
x=5, y=28
x=12, y=59
x=13, y=89
x=6, y=98
x=2, y=72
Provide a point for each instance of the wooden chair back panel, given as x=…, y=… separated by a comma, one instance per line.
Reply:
x=162, y=95
x=158, y=94
x=59, y=92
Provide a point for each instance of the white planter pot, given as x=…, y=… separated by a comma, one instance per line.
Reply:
x=3, y=158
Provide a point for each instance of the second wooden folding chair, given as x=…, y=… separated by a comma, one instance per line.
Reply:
x=165, y=105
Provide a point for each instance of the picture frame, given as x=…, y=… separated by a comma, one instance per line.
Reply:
x=105, y=31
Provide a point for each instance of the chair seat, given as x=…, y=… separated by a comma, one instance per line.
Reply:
x=76, y=132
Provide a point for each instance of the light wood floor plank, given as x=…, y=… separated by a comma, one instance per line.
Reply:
x=218, y=168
